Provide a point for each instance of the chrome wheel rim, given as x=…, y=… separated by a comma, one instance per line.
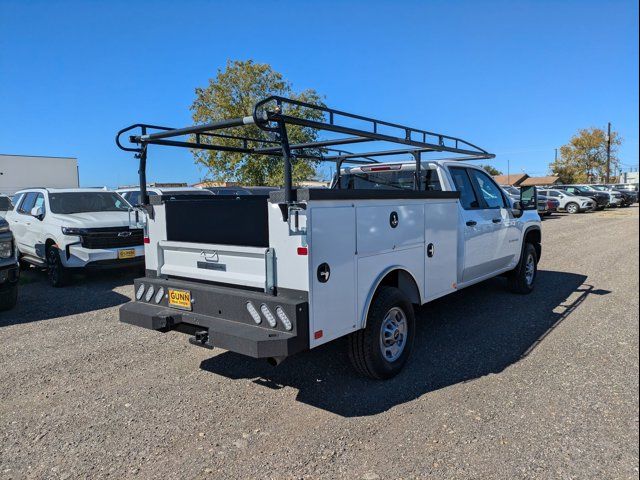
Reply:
x=572, y=208
x=530, y=269
x=393, y=334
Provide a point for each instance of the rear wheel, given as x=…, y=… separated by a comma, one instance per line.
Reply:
x=572, y=208
x=58, y=275
x=382, y=348
x=522, y=278
x=9, y=298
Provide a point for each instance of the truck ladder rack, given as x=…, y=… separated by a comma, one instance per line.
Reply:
x=273, y=114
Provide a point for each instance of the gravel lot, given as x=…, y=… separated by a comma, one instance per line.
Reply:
x=499, y=386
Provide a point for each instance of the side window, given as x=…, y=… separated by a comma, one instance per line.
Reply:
x=133, y=198
x=28, y=201
x=463, y=185
x=39, y=201
x=430, y=180
x=488, y=189
x=15, y=200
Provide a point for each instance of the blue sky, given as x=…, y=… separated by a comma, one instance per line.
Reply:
x=515, y=77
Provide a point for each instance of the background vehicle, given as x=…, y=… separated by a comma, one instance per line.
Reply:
x=5, y=205
x=9, y=271
x=600, y=198
x=569, y=202
x=615, y=198
x=277, y=275
x=66, y=229
x=132, y=195
x=623, y=199
x=628, y=188
x=546, y=206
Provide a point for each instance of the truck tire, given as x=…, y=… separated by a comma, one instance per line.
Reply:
x=572, y=208
x=58, y=275
x=522, y=278
x=381, y=349
x=9, y=298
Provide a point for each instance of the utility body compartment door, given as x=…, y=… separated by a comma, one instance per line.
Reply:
x=332, y=276
x=441, y=249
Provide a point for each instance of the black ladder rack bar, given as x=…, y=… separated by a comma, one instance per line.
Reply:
x=275, y=121
x=178, y=132
x=260, y=112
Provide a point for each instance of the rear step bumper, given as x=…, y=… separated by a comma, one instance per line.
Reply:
x=220, y=318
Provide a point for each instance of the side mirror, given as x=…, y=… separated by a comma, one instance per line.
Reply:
x=528, y=198
x=37, y=212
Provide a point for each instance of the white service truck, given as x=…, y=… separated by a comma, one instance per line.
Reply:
x=271, y=276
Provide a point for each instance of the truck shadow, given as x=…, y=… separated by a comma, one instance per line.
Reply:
x=472, y=333
x=37, y=300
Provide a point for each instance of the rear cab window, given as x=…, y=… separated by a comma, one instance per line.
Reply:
x=390, y=179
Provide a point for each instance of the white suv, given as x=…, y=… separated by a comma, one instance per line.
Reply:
x=570, y=202
x=65, y=229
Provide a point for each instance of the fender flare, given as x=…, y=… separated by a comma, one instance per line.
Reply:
x=374, y=289
x=524, y=235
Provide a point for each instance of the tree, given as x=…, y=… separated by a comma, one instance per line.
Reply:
x=491, y=170
x=233, y=93
x=584, y=158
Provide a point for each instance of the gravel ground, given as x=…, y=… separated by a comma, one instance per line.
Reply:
x=499, y=386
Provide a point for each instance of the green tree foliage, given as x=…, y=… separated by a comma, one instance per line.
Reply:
x=584, y=158
x=491, y=170
x=233, y=93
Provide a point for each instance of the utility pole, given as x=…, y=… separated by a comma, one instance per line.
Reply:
x=556, y=158
x=608, y=152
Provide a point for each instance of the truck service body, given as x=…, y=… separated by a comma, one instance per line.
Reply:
x=270, y=276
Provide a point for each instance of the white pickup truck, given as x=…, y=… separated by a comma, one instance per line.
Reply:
x=271, y=276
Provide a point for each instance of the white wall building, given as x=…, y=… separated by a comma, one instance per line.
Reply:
x=23, y=171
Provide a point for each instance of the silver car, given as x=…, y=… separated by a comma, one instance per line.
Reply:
x=569, y=202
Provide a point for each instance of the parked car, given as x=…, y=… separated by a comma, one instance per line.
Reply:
x=630, y=188
x=5, y=205
x=615, y=198
x=546, y=206
x=64, y=230
x=552, y=204
x=132, y=195
x=569, y=202
x=600, y=198
x=311, y=265
x=9, y=270
x=623, y=199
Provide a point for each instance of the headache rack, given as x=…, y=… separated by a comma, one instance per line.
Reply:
x=273, y=114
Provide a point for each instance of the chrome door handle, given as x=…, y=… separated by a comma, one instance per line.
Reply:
x=471, y=223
